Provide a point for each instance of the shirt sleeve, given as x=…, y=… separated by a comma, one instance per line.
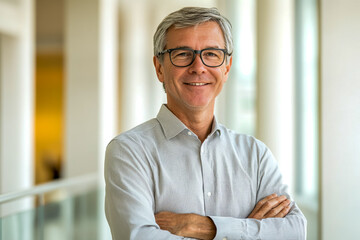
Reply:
x=269, y=181
x=129, y=205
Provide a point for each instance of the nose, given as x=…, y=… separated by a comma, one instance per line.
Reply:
x=197, y=66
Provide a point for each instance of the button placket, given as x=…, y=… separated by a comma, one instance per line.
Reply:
x=207, y=178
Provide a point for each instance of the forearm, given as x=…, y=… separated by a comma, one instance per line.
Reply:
x=187, y=225
x=134, y=225
x=203, y=228
x=293, y=226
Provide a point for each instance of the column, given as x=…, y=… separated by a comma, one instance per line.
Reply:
x=275, y=81
x=91, y=83
x=16, y=100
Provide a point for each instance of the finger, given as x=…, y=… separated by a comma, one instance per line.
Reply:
x=163, y=217
x=276, y=210
x=283, y=212
x=263, y=201
x=274, y=202
x=269, y=205
x=257, y=213
x=259, y=205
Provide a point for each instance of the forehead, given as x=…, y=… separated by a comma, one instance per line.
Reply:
x=207, y=34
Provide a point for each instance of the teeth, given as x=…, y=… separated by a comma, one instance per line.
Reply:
x=197, y=84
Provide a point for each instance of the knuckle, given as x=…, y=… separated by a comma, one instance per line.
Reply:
x=282, y=198
x=272, y=212
x=267, y=204
x=286, y=203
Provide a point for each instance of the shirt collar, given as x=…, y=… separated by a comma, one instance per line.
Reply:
x=172, y=126
x=215, y=127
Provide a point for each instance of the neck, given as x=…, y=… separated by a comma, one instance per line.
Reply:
x=199, y=121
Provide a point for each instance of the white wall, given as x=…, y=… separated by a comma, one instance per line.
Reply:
x=16, y=99
x=340, y=124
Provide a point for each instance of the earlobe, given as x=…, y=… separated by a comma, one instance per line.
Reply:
x=227, y=68
x=158, y=68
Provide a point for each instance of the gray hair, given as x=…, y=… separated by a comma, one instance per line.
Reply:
x=188, y=17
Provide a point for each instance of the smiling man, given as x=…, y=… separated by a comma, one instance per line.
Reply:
x=182, y=174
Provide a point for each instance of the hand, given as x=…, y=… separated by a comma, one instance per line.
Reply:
x=186, y=225
x=272, y=206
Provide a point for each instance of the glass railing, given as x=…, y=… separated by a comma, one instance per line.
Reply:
x=68, y=210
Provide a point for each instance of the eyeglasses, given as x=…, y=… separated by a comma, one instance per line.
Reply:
x=183, y=57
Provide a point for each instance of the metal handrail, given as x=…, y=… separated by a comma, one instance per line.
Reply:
x=48, y=187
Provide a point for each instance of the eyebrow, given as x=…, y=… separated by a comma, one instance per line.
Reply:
x=183, y=47
x=187, y=47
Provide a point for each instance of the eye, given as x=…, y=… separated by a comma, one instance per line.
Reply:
x=212, y=53
x=181, y=54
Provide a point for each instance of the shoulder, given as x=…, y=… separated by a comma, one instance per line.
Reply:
x=242, y=140
x=137, y=139
x=143, y=131
x=131, y=147
x=249, y=149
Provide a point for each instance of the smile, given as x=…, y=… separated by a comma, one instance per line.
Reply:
x=196, y=84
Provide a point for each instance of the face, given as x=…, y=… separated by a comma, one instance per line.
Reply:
x=194, y=87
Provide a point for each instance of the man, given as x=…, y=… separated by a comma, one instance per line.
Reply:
x=183, y=175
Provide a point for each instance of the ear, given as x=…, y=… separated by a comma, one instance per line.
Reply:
x=159, y=69
x=227, y=69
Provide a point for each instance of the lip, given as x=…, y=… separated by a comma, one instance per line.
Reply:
x=196, y=84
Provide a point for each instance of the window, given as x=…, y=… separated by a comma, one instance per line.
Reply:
x=307, y=146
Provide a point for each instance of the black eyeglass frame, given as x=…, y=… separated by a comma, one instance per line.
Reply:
x=194, y=55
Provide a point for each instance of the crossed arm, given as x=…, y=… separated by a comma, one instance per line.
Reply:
x=202, y=227
x=129, y=206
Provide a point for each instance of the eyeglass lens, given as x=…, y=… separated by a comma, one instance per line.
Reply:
x=184, y=57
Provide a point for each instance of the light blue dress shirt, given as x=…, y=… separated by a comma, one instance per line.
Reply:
x=162, y=166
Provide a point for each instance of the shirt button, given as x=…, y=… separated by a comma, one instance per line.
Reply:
x=209, y=194
x=189, y=133
x=225, y=238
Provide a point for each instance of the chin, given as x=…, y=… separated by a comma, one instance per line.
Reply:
x=198, y=105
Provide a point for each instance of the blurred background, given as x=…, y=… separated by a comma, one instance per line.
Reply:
x=75, y=73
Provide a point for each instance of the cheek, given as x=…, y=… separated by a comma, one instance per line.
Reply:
x=224, y=75
x=221, y=76
x=174, y=77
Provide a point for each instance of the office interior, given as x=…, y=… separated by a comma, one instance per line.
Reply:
x=76, y=73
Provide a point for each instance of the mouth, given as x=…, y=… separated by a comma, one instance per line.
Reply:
x=196, y=84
